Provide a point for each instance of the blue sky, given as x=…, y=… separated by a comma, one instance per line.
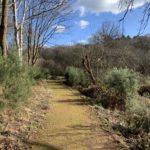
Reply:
x=87, y=19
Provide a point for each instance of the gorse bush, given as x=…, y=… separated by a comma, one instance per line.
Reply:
x=33, y=73
x=84, y=80
x=72, y=76
x=123, y=81
x=44, y=73
x=3, y=70
x=122, y=85
x=16, y=80
x=36, y=73
x=56, y=72
x=75, y=76
x=138, y=123
x=121, y=92
x=138, y=117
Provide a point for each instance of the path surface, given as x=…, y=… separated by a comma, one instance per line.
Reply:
x=71, y=124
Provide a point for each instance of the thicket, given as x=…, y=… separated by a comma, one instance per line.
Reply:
x=15, y=80
x=76, y=76
x=118, y=88
x=37, y=73
x=138, y=124
x=57, y=59
x=121, y=92
x=132, y=53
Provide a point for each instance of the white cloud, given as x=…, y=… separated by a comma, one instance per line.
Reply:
x=82, y=10
x=82, y=24
x=98, y=6
x=82, y=41
x=59, y=28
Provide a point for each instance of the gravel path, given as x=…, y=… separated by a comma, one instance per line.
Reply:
x=71, y=124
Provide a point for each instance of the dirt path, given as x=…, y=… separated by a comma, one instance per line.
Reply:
x=71, y=124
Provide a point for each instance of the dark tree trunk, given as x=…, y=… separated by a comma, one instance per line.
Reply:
x=3, y=28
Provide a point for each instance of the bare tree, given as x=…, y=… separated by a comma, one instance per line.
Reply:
x=35, y=21
x=93, y=61
x=108, y=31
x=18, y=21
x=3, y=27
x=128, y=6
x=44, y=19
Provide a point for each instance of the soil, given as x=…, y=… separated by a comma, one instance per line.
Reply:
x=72, y=124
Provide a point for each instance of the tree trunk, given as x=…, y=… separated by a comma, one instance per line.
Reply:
x=29, y=35
x=3, y=27
x=87, y=65
x=21, y=43
x=16, y=28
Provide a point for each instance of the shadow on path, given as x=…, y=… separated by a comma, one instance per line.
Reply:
x=45, y=146
x=74, y=101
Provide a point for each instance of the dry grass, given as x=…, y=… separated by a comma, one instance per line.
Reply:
x=17, y=125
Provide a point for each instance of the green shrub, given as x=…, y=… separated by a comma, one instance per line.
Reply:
x=122, y=85
x=138, y=122
x=3, y=70
x=84, y=80
x=76, y=76
x=36, y=73
x=56, y=71
x=16, y=83
x=45, y=73
x=33, y=72
x=2, y=105
x=138, y=116
x=72, y=76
